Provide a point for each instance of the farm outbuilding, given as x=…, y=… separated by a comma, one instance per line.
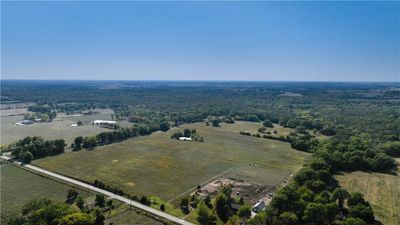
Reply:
x=185, y=139
x=24, y=122
x=259, y=206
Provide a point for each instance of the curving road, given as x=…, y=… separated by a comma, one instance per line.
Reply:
x=104, y=192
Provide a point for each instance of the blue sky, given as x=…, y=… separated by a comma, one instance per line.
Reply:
x=300, y=41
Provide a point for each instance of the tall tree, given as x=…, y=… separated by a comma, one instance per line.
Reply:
x=222, y=207
x=340, y=195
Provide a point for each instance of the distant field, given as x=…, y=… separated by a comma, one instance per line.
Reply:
x=5, y=105
x=19, y=186
x=157, y=165
x=102, y=114
x=253, y=128
x=58, y=128
x=11, y=112
x=381, y=190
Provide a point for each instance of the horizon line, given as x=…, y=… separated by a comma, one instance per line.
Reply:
x=187, y=80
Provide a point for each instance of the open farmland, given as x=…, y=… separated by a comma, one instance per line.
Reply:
x=157, y=165
x=98, y=114
x=58, y=128
x=19, y=186
x=13, y=112
x=381, y=190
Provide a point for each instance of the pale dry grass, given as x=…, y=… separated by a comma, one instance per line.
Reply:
x=381, y=190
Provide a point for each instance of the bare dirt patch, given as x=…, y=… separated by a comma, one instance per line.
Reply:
x=250, y=191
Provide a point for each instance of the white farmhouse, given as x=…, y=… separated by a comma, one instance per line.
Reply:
x=185, y=138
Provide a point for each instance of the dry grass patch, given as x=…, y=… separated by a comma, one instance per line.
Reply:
x=381, y=190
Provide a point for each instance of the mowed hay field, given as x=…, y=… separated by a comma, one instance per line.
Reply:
x=157, y=165
x=18, y=186
x=381, y=190
x=58, y=128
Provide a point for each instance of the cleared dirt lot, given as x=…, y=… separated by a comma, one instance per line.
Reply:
x=157, y=165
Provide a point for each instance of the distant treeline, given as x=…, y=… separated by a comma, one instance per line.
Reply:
x=322, y=106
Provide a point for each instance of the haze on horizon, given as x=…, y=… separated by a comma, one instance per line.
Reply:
x=270, y=41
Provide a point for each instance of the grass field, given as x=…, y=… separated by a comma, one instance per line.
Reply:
x=253, y=128
x=101, y=114
x=15, y=111
x=19, y=186
x=157, y=165
x=381, y=190
x=259, y=175
x=58, y=128
x=132, y=217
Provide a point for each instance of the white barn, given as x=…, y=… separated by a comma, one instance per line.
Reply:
x=185, y=138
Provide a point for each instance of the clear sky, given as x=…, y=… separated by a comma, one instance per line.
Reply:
x=301, y=41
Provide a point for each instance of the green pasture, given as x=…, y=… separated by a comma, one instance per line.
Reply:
x=19, y=186
x=157, y=165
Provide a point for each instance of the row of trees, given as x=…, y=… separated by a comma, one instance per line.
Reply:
x=44, y=211
x=29, y=148
x=304, y=142
x=105, y=138
x=110, y=188
x=116, y=190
